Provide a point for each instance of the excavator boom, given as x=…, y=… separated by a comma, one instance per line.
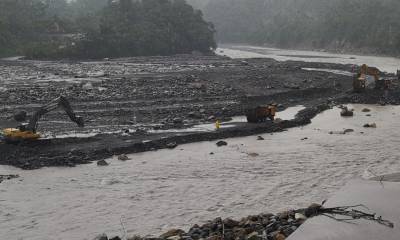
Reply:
x=28, y=131
x=58, y=102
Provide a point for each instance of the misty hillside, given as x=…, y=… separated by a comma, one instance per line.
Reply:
x=341, y=25
x=102, y=28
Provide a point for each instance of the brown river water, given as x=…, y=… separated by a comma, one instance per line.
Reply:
x=158, y=190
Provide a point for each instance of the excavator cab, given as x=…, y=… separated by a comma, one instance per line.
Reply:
x=360, y=82
x=28, y=131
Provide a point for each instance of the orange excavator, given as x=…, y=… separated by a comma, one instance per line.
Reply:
x=360, y=79
x=28, y=131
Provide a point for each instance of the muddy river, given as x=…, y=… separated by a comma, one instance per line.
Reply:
x=387, y=64
x=155, y=191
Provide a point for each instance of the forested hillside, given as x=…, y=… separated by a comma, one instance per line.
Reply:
x=102, y=28
x=341, y=25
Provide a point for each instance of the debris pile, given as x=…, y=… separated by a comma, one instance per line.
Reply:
x=264, y=226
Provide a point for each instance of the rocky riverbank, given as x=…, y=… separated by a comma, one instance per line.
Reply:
x=140, y=104
x=264, y=226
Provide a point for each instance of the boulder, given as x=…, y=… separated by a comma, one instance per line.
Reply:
x=253, y=236
x=123, y=157
x=175, y=238
x=279, y=236
x=366, y=110
x=221, y=143
x=171, y=233
x=172, y=145
x=346, y=112
x=348, y=131
x=102, y=163
x=230, y=223
x=115, y=238
x=259, y=138
x=370, y=125
x=101, y=237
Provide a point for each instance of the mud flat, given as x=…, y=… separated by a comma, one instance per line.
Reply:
x=138, y=104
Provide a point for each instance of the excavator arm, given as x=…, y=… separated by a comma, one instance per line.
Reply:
x=58, y=102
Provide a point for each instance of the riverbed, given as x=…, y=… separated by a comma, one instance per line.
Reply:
x=158, y=190
x=386, y=64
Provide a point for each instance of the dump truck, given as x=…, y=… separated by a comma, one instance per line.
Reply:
x=261, y=114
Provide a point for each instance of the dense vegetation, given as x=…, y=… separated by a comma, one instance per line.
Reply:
x=342, y=25
x=102, y=28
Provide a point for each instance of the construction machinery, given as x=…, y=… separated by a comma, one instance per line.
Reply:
x=28, y=131
x=261, y=114
x=360, y=80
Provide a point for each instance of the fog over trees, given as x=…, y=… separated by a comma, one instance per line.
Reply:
x=371, y=25
x=100, y=28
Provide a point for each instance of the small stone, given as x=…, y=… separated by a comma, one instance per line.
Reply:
x=230, y=223
x=299, y=216
x=175, y=238
x=171, y=233
x=177, y=120
x=123, y=157
x=221, y=143
x=253, y=154
x=101, y=237
x=280, y=236
x=348, y=131
x=253, y=236
x=102, y=163
x=115, y=238
x=135, y=237
x=370, y=125
x=346, y=112
x=366, y=110
x=211, y=153
x=259, y=138
x=172, y=145
x=284, y=215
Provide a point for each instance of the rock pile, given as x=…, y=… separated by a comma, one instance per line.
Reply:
x=264, y=226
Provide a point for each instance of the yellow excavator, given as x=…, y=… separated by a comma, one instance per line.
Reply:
x=360, y=79
x=261, y=114
x=28, y=131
